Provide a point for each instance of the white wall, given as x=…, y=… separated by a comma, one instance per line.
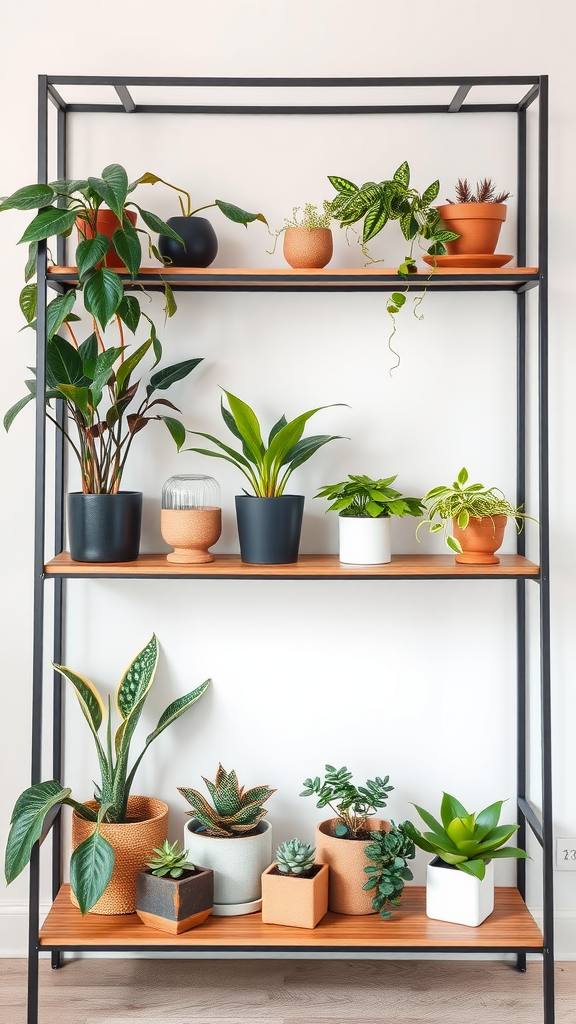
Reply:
x=384, y=678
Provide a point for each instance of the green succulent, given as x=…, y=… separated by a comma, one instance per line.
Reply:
x=465, y=840
x=170, y=860
x=354, y=804
x=389, y=852
x=234, y=813
x=295, y=857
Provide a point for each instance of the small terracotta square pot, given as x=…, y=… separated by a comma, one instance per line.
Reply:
x=175, y=904
x=298, y=902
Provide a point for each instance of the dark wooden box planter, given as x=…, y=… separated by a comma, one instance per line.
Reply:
x=175, y=904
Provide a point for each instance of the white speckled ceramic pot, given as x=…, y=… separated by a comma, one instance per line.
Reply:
x=237, y=864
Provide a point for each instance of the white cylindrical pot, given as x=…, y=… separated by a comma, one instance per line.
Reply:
x=452, y=895
x=237, y=864
x=364, y=540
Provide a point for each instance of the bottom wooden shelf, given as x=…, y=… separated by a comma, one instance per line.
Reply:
x=511, y=928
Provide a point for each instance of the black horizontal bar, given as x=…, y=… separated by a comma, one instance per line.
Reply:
x=126, y=99
x=532, y=818
x=288, y=949
x=293, y=82
x=305, y=109
x=269, y=576
x=49, y=821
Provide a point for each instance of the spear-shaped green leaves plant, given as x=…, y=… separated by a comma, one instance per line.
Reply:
x=467, y=841
x=92, y=862
x=266, y=466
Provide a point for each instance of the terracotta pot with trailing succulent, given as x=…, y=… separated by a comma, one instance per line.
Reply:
x=232, y=839
x=341, y=841
x=174, y=895
x=476, y=217
x=114, y=834
x=295, y=888
x=308, y=242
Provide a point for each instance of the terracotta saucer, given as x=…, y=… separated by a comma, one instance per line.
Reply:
x=482, y=261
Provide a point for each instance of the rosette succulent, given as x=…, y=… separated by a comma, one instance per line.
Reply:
x=234, y=813
x=170, y=860
x=294, y=857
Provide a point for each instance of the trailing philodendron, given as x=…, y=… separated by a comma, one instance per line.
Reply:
x=352, y=805
x=235, y=812
x=171, y=860
x=92, y=861
x=294, y=857
x=389, y=852
x=467, y=841
x=360, y=497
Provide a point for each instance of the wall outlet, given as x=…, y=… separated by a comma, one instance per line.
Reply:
x=566, y=854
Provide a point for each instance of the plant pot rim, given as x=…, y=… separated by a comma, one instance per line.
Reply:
x=483, y=520
x=166, y=878
x=284, y=874
x=92, y=494
x=341, y=515
x=266, y=826
x=471, y=211
x=327, y=826
x=277, y=497
x=437, y=862
x=302, y=227
x=160, y=809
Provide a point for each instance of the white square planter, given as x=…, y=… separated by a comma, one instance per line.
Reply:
x=452, y=895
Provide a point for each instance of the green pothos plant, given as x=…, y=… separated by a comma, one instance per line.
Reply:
x=92, y=862
x=389, y=852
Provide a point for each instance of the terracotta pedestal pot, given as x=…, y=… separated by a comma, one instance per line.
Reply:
x=308, y=248
x=347, y=860
x=106, y=223
x=191, y=531
x=133, y=843
x=293, y=900
x=478, y=225
x=480, y=539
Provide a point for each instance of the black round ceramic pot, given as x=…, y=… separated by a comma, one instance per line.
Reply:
x=105, y=527
x=269, y=528
x=199, y=238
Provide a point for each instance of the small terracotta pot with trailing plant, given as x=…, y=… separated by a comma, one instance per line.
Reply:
x=174, y=895
x=113, y=836
x=308, y=242
x=341, y=841
x=477, y=217
x=478, y=516
x=295, y=888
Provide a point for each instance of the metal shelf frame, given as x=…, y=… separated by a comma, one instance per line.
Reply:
x=536, y=89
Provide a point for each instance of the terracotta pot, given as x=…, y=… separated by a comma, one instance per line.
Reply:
x=308, y=248
x=133, y=844
x=191, y=531
x=347, y=861
x=478, y=225
x=175, y=904
x=297, y=902
x=106, y=223
x=480, y=539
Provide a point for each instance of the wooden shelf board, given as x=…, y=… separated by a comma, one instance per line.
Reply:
x=307, y=567
x=510, y=927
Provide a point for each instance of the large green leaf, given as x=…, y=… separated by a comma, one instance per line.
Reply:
x=247, y=425
x=163, y=379
x=103, y=366
x=49, y=222
x=80, y=397
x=375, y=219
x=103, y=293
x=91, y=866
x=487, y=819
x=31, y=197
x=88, y=697
x=237, y=215
x=137, y=678
x=63, y=363
x=58, y=311
x=342, y=184
x=125, y=369
x=402, y=175
x=88, y=352
x=451, y=808
x=429, y=194
x=27, y=300
x=116, y=178
x=476, y=868
x=13, y=411
x=89, y=252
x=66, y=186
x=508, y=851
x=27, y=819
x=30, y=268
x=127, y=245
x=176, y=429
x=156, y=224
x=286, y=438
x=129, y=312
x=105, y=192
x=430, y=820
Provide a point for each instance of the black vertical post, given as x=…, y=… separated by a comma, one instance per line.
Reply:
x=546, y=722
x=39, y=510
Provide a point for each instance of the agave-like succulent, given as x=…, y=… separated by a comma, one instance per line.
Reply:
x=235, y=812
x=170, y=860
x=294, y=857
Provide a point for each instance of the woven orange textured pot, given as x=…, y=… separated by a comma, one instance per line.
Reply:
x=308, y=248
x=132, y=842
x=478, y=225
x=106, y=223
x=347, y=860
x=290, y=900
x=480, y=539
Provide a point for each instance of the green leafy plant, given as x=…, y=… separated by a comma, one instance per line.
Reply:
x=307, y=216
x=170, y=860
x=485, y=192
x=462, y=502
x=235, y=812
x=294, y=857
x=352, y=805
x=467, y=841
x=268, y=466
x=233, y=213
x=389, y=871
x=362, y=497
x=92, y=861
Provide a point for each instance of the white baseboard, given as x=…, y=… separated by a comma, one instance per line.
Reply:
x=14, y=940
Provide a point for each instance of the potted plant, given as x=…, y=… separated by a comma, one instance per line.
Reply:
x=478, y=515
x=365, y=507
x=114, y=834
x=200, y=244
x=174, y=895
x=308, y=242
x=295, y=888
x=389, y=852
x=341, y=841
x=477, y=217
x=232, y=838
x=269, y=522
x=460, y=879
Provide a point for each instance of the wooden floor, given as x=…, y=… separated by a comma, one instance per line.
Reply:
x=281, y=992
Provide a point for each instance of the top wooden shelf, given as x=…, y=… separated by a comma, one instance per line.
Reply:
x=330, y=279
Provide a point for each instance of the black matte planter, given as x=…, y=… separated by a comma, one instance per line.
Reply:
x=269, y=528
x=105, y=527
x=200, y=240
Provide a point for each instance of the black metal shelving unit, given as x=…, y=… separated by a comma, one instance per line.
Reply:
x=533, y=89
